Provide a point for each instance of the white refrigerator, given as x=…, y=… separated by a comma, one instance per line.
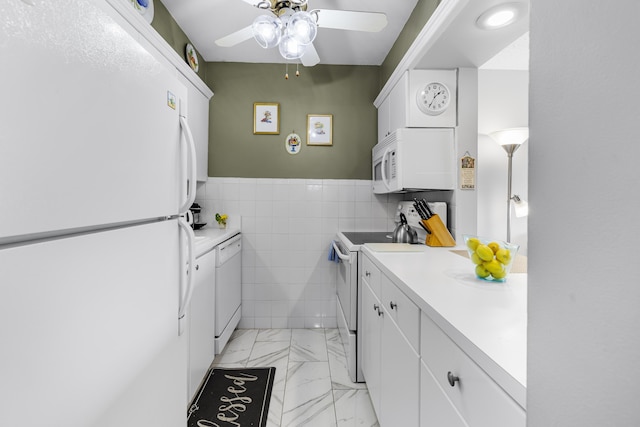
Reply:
x=96, y=167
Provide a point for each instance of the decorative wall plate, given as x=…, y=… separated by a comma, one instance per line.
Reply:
x=293, y=143
x=192, y=57
x=145, y=8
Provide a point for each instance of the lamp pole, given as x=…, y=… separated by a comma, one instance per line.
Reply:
x=510, y=149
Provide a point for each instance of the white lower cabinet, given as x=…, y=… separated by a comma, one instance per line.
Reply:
x=436, y=410
x=201, y=321
x=371, y=344
x=390, y=365
x=415, y=373
x=475, y=396
x=399, y=400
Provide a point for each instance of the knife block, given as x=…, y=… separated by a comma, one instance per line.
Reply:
x=438, y=233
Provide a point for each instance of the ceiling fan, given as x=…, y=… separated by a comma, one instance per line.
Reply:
x=292, y=28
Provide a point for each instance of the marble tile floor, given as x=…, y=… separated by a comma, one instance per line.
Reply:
x=312, y=386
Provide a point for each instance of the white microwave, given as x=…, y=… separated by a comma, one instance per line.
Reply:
x=414, y=159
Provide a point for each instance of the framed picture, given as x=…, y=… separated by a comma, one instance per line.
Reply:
x=266, y=118
x=320, y=129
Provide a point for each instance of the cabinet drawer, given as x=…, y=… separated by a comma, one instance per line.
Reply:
x=435, y=407
x=371, y=274
x=475, y=395
x=403, y=312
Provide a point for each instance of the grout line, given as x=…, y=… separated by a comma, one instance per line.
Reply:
x=333, y=396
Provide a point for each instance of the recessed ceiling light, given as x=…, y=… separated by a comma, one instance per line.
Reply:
x=500, y=16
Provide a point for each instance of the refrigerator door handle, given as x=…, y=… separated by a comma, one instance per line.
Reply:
x=189, y=164
x=186, y=278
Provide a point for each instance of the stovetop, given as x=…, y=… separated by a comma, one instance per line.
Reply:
x=362, y=237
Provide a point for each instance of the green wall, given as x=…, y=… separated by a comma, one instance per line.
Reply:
x=346, y=92
x=169, y=29
x=416, y=22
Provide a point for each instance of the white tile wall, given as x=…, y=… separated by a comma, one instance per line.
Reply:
x=287, y=226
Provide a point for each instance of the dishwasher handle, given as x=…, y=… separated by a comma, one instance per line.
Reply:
x=228, y=249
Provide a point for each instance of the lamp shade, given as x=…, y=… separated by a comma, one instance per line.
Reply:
x=267, y=30
x=290, y=48
x=517, y=136
x=302, y=27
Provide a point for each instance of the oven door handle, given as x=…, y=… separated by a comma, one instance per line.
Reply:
x=342, y=256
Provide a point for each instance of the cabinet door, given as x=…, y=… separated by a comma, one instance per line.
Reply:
x=481, y=401
x=435, y=408
x=371, y=330
x=201, y=320
x=383, y=119
x=198, y=117
x=400, y=377
x=398, y=106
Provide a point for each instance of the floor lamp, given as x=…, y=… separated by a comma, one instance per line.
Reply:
x=511, y=139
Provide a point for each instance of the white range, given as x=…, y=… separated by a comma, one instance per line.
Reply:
x=347, y=246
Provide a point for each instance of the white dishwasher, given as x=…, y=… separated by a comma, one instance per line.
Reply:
x=228, y=296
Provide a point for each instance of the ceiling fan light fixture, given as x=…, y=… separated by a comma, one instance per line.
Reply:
x=290, y=48
x=302, y=27
x=267, y=31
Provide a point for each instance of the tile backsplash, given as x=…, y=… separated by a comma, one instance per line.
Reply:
x=287, y=227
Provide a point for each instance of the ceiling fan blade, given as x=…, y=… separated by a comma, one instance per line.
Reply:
x=351, y=20
x=236, y=38
x=310, y=57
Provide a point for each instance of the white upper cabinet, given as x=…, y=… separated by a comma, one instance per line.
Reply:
x=420, y=99
x=198, y=118
x=199, y=93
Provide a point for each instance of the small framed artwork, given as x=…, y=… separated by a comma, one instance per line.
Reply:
x=320, y=129
x=266, y=118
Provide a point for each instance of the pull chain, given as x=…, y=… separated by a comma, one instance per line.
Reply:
x=286, y=71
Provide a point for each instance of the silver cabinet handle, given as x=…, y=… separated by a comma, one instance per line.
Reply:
x=367, y=273
x=393, y=305
x=452, y=379
x=197, y=267
x=376, y=307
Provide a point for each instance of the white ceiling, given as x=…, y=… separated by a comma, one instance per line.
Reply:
x=205, y=21
x=513, y=57
x=462, y=44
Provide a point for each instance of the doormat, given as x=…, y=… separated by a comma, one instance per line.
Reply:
x=233, y=397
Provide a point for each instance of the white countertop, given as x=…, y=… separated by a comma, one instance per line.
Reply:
x=488, y=321
x=210, y=236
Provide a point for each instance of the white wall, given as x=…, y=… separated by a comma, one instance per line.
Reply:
x=503, y=101
x=287, y=226
x=584, y=283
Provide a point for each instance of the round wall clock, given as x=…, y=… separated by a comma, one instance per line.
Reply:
x=434, y=98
